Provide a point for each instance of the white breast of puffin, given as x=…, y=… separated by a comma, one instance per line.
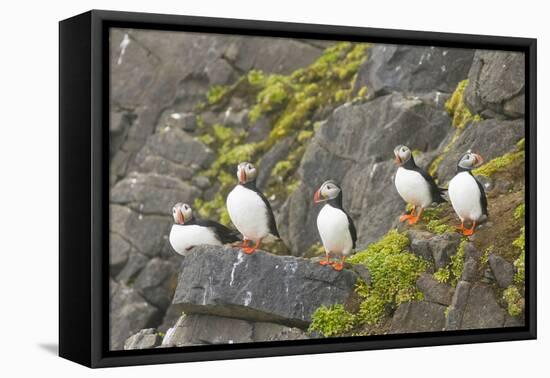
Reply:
x=412, y=187
x=465, y=197
x=183, y=237
x=333, y=227
x=248, y=213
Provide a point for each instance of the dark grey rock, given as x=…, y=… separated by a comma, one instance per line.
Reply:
x=471, y=271
x=184, y=121
x=118, y=253
x=278, y=152
x=233, y=118
x=220, y=72
x=413, y=69
x=144, y=339
x=482, y=309
x=276, y=332
x=363, y=272
x=259, y=287
x=148, y=193
x=502, y=270
x=458, y=304
x=146, y=233
x=207, y=329
x=129, y=313
x=480, y=137
x=270, y=55
x=418, y=316
x=514, y=321
x=171, y=316
x=259, y=130
x=136, y=262
x=420, y=244
x=201, y=182
x=156, y=282
x=497, y=83
x=443, y=247
x=433, y=290
x=176, y=146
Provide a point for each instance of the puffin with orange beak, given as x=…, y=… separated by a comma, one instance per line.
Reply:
x=467, y=194
x=188, y=231
x=414, y=185
x=249, y=210
x=335, y=226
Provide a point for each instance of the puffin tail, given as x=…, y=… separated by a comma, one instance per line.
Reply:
x=442, y=195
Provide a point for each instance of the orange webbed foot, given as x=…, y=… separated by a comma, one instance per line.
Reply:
x=338, y=266
x=325, y=262
x=251, y=250
x=405, y=217
x=414, y=219
x=470, y=231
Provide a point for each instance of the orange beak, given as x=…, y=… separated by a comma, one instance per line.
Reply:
x=397, y=159
x=479, y=159
x=179, y=217
x=242, y=176
x=317, y=196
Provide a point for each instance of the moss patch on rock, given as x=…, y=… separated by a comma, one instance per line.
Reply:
x=452, y=272
x=332, y=321
x=457, y=108
x=394, y=271
x=502, y=163
x=289, y=102
x=514, y=300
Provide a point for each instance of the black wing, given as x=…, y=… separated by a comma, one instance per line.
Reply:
x=483, y=198
x=224, y=234
x=435, y=190
x=352, y=230
x=270, y=217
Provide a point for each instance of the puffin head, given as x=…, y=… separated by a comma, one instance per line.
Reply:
x=470, y=160
x=402, y=154
x=246, y=172
x=329, y=190
x=182, y=213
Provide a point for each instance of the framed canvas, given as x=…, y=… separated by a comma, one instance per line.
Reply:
x=234, y=188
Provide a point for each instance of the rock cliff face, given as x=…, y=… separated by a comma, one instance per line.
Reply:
x=186, y=108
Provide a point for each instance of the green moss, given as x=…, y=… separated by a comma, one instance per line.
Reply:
x=499, y=164
x=332, y=321
x=521, y=144
x=442, y=275
x=519, y=263
x=519, y=213
x=393, y=270
x=371, y=310
x=452, y=272
x=456, y=107
x=362, y=92
x=438, y=227
x=216, y=93
x=514, y=300
x=457, y=263
x=288, y=102
x=484, y=259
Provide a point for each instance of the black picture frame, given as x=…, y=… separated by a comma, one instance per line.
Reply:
x=84, y=192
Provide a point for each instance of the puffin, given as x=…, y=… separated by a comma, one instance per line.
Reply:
x=335, y=226
x=467, y=194
x=414, y=185
x=249, y=210
x=188, y=232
